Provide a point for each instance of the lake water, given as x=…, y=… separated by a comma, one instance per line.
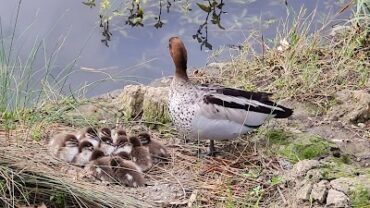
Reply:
x=135, y=55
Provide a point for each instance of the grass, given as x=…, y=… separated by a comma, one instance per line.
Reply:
x=308, y=67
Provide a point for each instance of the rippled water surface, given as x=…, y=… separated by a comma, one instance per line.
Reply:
x=70, y=35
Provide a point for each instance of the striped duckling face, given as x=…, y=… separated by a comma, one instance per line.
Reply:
x=68, y=148
x=122, y=145
x=105, y=132
x=85, y=151
x=156, y=149
x=106, y=145
x=91, y=134
x=126, y=172
x=140, y=154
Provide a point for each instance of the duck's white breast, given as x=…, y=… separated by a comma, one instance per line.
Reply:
x=205, y=128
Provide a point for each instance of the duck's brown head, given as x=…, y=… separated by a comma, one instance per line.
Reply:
x=121, y=140
x=107, y=140
x=135, y=142
x=85, y=145
x=179, y=56
x=91, y=132
x=106, y=132
x=121, y=132
x=96, y=154
x=70, y=140
x=144, y=137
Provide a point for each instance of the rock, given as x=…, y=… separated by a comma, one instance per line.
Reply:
x=313, y=175
x=148, y=102
x=337, y=199
x=354, y=106
x=155, y=107
x=343, y=184
x=303, y=194
x=131, y=100
x=300, y=169
x=319, y=191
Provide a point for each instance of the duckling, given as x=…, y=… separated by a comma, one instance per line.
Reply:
x=99, y=167
x=105, y=132
x=122, y=145
x=156, y=149
x=140, y=154
x=106, y=145
x=85, y=150
x=87, y=132
x=96, y=154
x=90, y=134
x=64, y=146
x=119, y=132
x=127, y=172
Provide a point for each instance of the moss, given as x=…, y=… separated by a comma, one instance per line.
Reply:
x=305, y=147
x=360, y=197
x=155, y=112
x=336, y=168
x=278, y=137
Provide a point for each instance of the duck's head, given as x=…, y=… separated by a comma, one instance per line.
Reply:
x=135, y=141
x=121, y=132
x=96, y=154
x=85, y=145
x=107, y=140
x=70, y=140
x=121, y=140
x=124, y=155
x=91, y=132
x=106, y=132
x=179, y=56
x=144, y=137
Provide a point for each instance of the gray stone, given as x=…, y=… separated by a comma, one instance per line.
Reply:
x=354, y=106
x=150, y=102
x=320, y=191
x=300, y=169
x=313, y=175
x=343, y=184
x=337, y=199
x=303, y=194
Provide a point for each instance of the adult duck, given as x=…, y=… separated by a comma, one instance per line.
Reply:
x=215, y=112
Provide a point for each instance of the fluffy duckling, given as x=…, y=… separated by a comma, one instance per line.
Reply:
x=85, y=150
x=118, y=132
x=64, y=146
x=106, y=145
x=156, y=149
x=90, y=134
x=99, y=167
x=105, y=132
x=140, y=154
x=127, y=172
x=122, y=145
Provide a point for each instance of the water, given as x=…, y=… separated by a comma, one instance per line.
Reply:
x=135, y=55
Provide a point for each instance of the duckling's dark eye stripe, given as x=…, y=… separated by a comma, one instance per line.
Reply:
x=259, y=109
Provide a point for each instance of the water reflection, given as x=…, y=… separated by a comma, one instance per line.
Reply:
x=70, y=36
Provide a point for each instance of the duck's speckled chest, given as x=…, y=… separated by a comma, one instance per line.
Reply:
x=182, y=104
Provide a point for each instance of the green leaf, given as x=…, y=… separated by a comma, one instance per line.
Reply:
x=204, y=7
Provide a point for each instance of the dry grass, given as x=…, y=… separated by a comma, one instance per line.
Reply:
x=240, y=177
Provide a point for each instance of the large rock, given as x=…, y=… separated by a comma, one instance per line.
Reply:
x=337, y=199
x=303, y=193
x=354, y=106
x=319, y=191
x=300, y=169
x=148, y=102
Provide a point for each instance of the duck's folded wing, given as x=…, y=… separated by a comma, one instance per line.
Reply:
x=239, y=109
